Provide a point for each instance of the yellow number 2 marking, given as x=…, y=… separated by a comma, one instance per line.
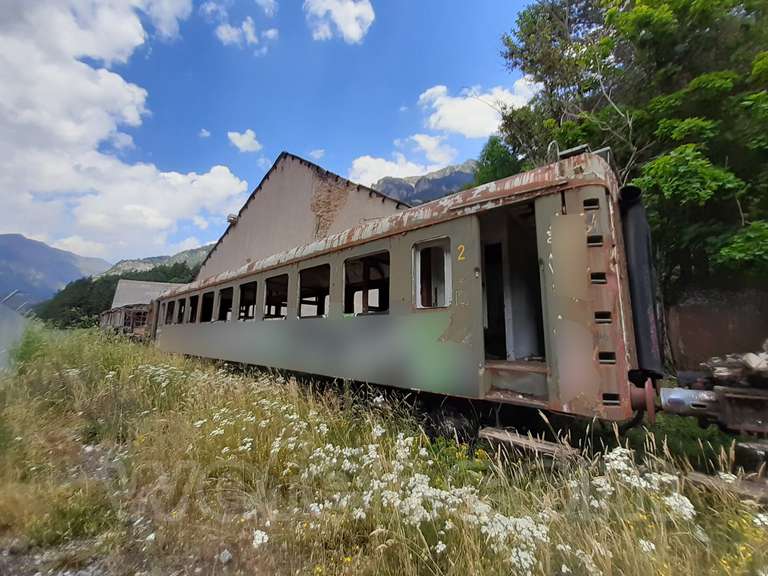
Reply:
x=460, y=250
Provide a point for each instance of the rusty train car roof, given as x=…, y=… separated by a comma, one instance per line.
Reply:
x=574, y=172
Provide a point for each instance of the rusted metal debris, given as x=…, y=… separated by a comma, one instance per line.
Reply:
x=741, y=370
x=734, y=393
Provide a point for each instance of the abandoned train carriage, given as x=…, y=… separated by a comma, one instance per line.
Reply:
x=516, y=291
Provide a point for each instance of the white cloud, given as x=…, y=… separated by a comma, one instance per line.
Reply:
x=317, y=154
x=56, y=113
x=369, y=169
x=249, y=31
x=213, y=10
x=270, y=34
x=473, y=113
x=81, y=246
x=403, y=108
x=121, y=141
x=166, y=14
x=349, y=19
x=269, y=7
x=434, y=148
x=243, y=35
x=203, y=133
x=187, y=244
x=264, y=162
x=245, y=141
x=200, y=222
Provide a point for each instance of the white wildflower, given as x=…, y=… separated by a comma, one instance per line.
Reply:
x=440, y=547
x=358, y=514
x=259, y=537
x=761, y=520
x=680, y=506
x=377, y=431
x=379, y=400
x=151, y=537
x=564, y=569
x=647, y=546
x=603, y=485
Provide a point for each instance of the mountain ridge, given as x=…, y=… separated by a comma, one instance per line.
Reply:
x=427, y=187
x=191, y=257
x=38, y=270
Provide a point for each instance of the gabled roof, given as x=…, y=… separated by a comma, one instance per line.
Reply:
x=130, y=292
x=320, y=170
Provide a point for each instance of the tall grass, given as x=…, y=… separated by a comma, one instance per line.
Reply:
x=183, y=465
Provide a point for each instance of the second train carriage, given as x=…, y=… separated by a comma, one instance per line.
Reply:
x=515, y=291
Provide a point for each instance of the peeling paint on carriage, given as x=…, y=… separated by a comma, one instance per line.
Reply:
x=587, y=328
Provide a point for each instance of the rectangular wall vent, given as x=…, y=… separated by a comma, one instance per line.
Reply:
x=606, y=357
x=611, y=399
x=591, y=203
x=603, y=317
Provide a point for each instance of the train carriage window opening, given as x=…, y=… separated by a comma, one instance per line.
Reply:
x=169, y=309
x=314, y=291
x=226, y=296
x=276, y=297
x=366, y=284
x=247, y=308
x=432, y=277
x=162, y=312
x=180, y=309
x=193, y=303
x=206, y=310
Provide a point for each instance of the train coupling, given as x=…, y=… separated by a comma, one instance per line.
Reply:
x=743, y=410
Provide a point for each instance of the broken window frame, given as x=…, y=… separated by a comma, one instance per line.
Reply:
x=323, y=299
x=225, y=295
x=206, y=315
x=194, y=302
x=181, y=309
x=170, y=309
x=277, y=314
x=382, y=291
x=243, y=304
x=443, y=243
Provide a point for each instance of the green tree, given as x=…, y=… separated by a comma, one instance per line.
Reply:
x=496, y=161
x=677, y=89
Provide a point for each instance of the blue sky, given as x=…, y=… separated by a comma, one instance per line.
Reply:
x=167, y=113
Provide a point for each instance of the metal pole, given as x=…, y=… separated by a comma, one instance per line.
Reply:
x=11, y=295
